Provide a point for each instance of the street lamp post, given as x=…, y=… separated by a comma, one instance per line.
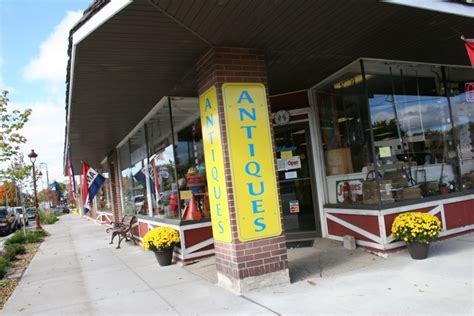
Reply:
x=45, y=165
x=32, y=157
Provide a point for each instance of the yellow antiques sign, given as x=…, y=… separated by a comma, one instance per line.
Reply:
x=251, y=160
x=211, y=137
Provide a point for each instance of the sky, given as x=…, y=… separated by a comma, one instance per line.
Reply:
x=33, y=59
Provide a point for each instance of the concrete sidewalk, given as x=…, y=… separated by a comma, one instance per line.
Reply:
x=76, y=271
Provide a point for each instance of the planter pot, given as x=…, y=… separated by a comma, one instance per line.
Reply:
x=164, y=257
x=418, y=250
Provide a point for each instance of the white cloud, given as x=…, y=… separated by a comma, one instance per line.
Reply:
x=45, y=134
x=50, y=64
x=45, y=129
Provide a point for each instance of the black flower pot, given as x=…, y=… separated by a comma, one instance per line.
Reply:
x=418, y=250
x=164, y=257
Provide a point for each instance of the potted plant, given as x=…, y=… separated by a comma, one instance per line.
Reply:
x=161, y=240
x=418, y=230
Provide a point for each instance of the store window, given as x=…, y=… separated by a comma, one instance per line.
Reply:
x=345, y=134
x=390, y=133
x=162, y=164
x=413, y=131
x=133, y=163
x=460, y=85
x=104, y=196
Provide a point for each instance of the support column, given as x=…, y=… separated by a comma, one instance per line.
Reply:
x=250, y=245
x=112, y=160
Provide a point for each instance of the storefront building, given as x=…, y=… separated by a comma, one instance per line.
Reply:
x=213, y=126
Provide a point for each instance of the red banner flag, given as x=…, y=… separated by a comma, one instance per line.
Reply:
x=469, y=43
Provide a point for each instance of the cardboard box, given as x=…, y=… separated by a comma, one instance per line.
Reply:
x=369, y=192
x=338, y=161
x=408, y=194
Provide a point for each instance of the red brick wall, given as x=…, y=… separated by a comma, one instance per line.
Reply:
x=237, y=259
x=115, y=187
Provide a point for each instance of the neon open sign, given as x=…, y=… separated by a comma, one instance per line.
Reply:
x=470, y=91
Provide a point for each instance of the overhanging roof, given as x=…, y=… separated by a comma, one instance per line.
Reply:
x=147, y=49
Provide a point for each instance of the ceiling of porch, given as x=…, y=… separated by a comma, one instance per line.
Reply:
x=149, y=49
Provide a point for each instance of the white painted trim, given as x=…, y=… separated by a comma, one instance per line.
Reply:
x=397, y=244
x=197, y=225
x=358, y=242
x=199, y=254
x=99, y=18
x=382, y=230
x=456, y=230
x=355, y=228
x=183, y=238
x=198, y=246
x=446, y=7
x=318, y=160
x=411, y=207
x=158, y=223
x=287, y=93
x=352, y=211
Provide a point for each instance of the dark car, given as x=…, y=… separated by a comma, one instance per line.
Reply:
x=31, y=213
x=60, y=208
x=8, y=221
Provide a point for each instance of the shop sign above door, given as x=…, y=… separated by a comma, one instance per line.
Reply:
x=211, y=137
x=252, y=161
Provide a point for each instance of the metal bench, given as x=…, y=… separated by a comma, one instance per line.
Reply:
x=122, y=229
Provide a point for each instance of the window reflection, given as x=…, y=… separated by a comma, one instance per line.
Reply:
x=422, y=141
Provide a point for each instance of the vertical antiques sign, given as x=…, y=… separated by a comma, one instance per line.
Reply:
x=251, y=158
x=211, y=137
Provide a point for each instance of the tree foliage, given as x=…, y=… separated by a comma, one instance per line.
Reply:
x=11, y=122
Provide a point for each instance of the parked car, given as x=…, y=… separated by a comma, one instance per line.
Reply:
x=21, y=213
x=31, y=213
x=8, y=221
x=60, y=208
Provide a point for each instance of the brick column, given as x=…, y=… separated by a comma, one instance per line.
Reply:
x=241, y=265
x=115, y=185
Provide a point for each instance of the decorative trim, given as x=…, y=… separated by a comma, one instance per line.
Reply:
x=359, y=242
x=412, y=207
x=355, y=228
x=104, y=15
x=198, y=246
x=352, y=211
x=456, y=230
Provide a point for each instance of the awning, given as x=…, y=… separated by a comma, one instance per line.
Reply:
x=130, y=54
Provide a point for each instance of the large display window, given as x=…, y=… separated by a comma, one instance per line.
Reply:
x=396, y=132
x=162, y=163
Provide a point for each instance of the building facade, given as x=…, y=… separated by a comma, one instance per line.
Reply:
x=248, y=124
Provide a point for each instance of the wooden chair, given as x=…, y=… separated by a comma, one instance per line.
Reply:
x=122, y=229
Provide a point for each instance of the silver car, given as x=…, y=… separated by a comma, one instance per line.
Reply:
x=20, y=212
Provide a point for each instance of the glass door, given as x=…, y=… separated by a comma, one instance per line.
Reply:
x=295, y=175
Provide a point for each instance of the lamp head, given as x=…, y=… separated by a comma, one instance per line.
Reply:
x=32, y=156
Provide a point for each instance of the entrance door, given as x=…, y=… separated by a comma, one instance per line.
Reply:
x=296, y=177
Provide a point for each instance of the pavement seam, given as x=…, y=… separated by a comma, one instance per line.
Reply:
x=261, y=305
x=151, y=287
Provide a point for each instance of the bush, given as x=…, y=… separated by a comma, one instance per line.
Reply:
x=4, y=263
x=11, y=251
x=161, y=238
x=30, y=237
x=48, y=217
x=416, y=226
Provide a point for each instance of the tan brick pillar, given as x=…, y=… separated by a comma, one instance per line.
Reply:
x=242, y=264
x=112, y=160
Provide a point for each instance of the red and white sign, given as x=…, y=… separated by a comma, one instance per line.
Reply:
x=355, y=189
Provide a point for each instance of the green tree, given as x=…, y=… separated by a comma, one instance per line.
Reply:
x=18, y=173
x=11, y=122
